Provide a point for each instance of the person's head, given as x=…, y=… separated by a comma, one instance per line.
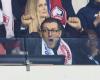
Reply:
x=92, y=39
x=51, y=30
x=42, y=8
x=93, y=43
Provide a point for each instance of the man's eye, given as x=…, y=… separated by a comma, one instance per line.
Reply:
x=56, y=30
x=43, y=30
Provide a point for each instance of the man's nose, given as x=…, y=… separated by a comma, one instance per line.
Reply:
x=49, y=33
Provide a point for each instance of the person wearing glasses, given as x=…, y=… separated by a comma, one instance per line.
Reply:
x=52, y=43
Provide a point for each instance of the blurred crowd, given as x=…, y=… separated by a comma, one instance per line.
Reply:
x=51, y=27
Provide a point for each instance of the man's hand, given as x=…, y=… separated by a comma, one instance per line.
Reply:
x=74, y=22
x=97, y=20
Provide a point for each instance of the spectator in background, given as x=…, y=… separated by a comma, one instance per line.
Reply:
x=90, y=16
x=36, y=11
x=87, y=51
x=6, y=24
x=10, y=19
x=94, y=48
x=73, y=27
x=82, y=53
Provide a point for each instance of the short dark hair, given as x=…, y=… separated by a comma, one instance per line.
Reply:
x=50, y=20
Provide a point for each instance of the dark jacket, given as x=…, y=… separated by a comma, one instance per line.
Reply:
x=69, y=31
x=87, y=16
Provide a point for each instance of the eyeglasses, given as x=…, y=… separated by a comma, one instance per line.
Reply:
x=52, y=31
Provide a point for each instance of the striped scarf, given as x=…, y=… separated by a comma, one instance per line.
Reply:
x=63, y=49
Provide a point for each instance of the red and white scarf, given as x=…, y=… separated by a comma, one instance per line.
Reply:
x=63, y=49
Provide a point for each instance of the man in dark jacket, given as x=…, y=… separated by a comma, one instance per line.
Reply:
x=90, y=16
